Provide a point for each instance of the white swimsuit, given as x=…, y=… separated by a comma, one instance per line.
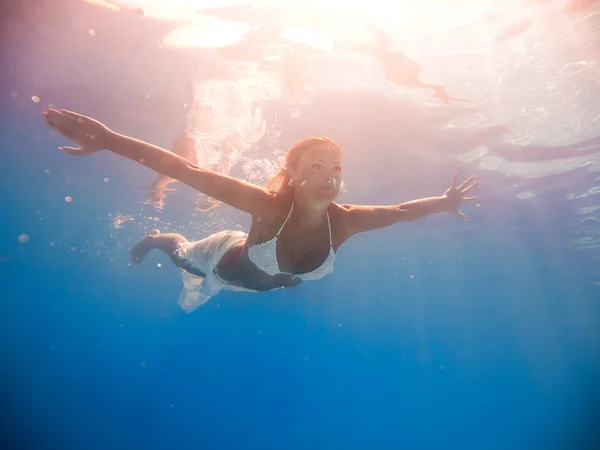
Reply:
x=264, y=256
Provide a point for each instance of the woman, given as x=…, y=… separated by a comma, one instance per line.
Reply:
x=296, y=225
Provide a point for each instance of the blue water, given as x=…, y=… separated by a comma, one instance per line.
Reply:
x=434, y=334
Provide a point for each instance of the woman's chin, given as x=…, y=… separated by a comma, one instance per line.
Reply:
x=325, y=194
x=326, y=191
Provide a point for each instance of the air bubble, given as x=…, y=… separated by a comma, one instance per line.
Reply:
x=525, y=195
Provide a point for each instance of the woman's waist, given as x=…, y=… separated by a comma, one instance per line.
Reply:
x=235, y=268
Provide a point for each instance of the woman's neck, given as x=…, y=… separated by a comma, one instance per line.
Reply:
x=310, y=214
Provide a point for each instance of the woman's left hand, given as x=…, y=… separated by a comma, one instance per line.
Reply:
x=455, y=196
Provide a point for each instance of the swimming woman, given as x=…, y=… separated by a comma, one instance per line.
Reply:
x=296, y=224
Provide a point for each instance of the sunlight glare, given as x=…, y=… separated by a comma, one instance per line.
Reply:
x=356, y=19
x=206, y=32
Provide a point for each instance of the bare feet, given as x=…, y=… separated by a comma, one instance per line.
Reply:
x=141, y=249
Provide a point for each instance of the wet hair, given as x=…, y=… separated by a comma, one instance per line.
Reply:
x=279, y=183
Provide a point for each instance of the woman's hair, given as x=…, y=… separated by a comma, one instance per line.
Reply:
x=279, y=183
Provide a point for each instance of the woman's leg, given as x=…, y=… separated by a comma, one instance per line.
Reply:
x=167, y=243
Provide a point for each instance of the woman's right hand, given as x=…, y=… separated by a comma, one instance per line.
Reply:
x=88, y=133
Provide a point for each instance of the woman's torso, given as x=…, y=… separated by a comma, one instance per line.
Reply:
x=298, y=250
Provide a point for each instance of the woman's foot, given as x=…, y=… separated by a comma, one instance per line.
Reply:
x=141, y=249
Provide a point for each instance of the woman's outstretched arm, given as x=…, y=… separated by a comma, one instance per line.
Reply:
x=358, y=219
x=93, y=136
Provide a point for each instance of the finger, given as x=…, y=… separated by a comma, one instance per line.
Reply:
x=53, y=117
x=65, y=132
x=71, y=150
x=467, y=189
x=66, y=120
x=454, y=178
x=49, y=114
x=470, y=199
x=71, y=114
x=469, y=180
x=462, y=216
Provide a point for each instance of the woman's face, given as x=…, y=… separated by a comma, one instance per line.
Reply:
x=319, y=172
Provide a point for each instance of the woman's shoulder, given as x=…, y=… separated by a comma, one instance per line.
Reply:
x=280, y=205
x=339, y=214
x=339, y=209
